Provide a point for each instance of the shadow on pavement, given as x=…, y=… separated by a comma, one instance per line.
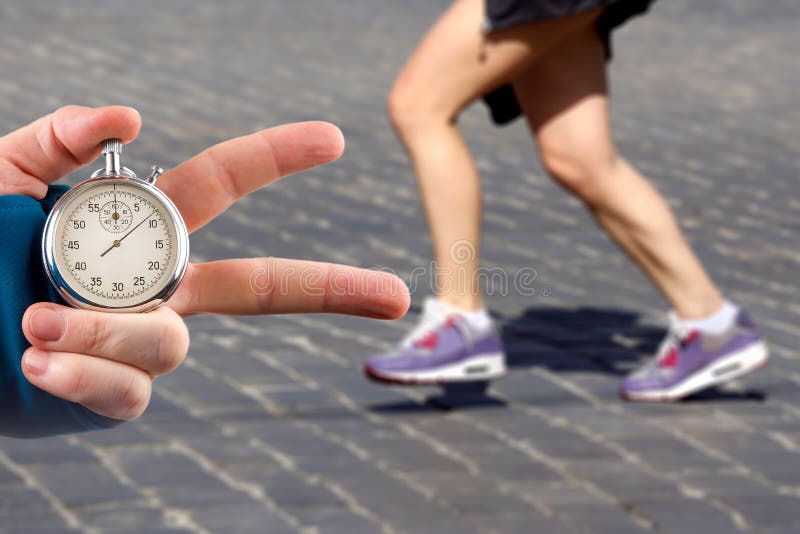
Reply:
x=602, y=340
x=457, y=396
x=719, y=394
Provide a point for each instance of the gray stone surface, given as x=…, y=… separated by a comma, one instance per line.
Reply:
x=269, y=426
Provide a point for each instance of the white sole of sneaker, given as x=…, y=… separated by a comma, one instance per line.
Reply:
x=481, y=367
x=733, y=366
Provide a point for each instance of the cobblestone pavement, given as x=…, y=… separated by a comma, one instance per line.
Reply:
x=269, y=426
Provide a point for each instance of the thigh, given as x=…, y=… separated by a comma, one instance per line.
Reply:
x=456, y=62
x=564, y=99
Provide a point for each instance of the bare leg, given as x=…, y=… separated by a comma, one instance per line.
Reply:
x=564, y=98
x=454, y=65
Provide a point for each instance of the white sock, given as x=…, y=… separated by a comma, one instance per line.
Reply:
x=716, y=323
x=479, y=319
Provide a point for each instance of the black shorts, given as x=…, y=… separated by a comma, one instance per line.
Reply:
x=503, y=14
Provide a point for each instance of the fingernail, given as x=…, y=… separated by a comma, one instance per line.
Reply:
x=36, y=361
x=47, y=325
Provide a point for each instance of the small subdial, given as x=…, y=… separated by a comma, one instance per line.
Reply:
x=116, y=216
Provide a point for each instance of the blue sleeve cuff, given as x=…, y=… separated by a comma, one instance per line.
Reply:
x=25, y=410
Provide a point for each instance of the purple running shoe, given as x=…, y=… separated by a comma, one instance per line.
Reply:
x=688, y=362
x=448, y=351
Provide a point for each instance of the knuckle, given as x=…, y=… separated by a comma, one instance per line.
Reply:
x=134, y=396
x=93, y=334
x=172, y=344
x=227, y=177
x=66, y=109
x=76, y=384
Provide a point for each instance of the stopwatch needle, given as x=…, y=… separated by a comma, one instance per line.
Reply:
x=115, y=215
x=118, y=242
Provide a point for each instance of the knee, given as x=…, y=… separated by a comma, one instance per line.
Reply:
x=402, y=109
x=411, y=109
x=585, y=171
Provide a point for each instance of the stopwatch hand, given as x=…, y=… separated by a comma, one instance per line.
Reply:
x=118, y=242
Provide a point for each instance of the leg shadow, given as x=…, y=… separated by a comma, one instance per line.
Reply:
x=590, y=339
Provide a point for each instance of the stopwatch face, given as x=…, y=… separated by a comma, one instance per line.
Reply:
x=115, y=244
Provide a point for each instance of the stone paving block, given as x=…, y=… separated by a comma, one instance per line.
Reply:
x=42, y=525
x=81, y=484
x=506, y=522
x=122, y=435
x=684, y=515
x=17, y=501
x=242, y=368
x=767, y=512
x=204, y=393
x=245, y=518
x=183, y=428
x=390, y=446
x=726, y=484
x=177, y=480
x=668, y=454
x=228, y=452
x=482, y=503
x=605, y=525
x=332, y=520
x=396, y=503
x=158, y=467
x=289, y=490
x=128, y=518
x=8, y=477
x=44, y=451
x=596, y=517
x=203, y=494
x=623, y=480
x=164, y=409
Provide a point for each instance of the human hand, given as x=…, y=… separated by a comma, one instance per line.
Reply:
x=107, y=362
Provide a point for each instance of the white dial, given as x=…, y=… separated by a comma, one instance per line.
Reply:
x=116, y=244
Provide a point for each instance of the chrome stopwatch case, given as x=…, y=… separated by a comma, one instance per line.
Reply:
x=115, y=242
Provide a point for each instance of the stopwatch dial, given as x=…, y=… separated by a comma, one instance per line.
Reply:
x=116, y=244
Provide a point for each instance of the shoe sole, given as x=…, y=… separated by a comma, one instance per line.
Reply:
x=481, y=367
x=733, y=366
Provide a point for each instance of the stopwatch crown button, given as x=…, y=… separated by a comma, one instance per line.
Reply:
x=112, y=146
x=111, y=151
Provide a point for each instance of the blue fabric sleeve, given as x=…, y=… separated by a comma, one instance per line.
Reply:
x=25, y=410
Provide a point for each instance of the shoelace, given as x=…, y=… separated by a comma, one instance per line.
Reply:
x=429, y=339
x=451, y=321
x=677, y=338
x=424, y=328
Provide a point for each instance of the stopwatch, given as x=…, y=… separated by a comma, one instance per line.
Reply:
x=115, y=242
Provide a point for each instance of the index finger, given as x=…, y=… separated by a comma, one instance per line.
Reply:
x=257, y=286
x=207, y=184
